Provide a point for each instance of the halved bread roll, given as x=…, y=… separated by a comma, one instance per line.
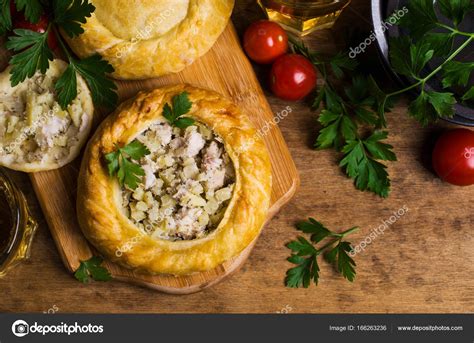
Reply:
x=149, y=38
x=35, y=133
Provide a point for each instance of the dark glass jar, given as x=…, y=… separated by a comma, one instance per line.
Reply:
x=17, y=227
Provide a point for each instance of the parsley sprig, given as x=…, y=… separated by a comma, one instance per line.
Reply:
x=353, y=110
x=345, y=114
x=181, y=106
x=92, y=269
x=32, y=53
x=35, y=57
x=121, y=163
x=305, y=254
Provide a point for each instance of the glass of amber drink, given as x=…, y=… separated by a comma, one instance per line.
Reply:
x=303, y=16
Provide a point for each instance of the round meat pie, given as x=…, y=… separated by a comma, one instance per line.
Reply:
x=36, y=134
x=150, y=38
x=202, y=196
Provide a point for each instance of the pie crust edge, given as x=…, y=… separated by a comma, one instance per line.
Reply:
x=108, y=229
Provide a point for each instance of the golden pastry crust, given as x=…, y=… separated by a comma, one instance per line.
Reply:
x=98, y=205
x=151, y=38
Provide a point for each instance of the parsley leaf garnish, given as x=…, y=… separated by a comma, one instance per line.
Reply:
x=92, y=269
x=430, y=106
x=457, y=73
x=469, y=95
x=361, y=163
x=307, y=269
x=33, y=53
x=181, y=106
x=339, y=255
x=71, y=14
x=420, y=18
x=120, y=163
x=32, y=9
x=362, y=105
x=5, y=17
x=94, y=70
x=304, y=254
x=35, y=57
x=455, y=9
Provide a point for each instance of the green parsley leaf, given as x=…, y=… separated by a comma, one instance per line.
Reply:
x=340, y=62
x=31, y=8
x=440, y=43
x=136, y=150
x=181, y=106
x=442, y=103
x=420, y=54
x=399, y=52
x=92, y=269
x=469, y=95
x=316, y=229
x=113, y=164
x=319, y=99
x=379, y=150
x=5, y=17
x=183, y=123
x=328, y=136
x=301, y=247
x=120, y=164
x=421, y=17
x=304, y=254
x=455, y=9
x=457, y=73
x=338, y=128
x=345, y=264
x=131, y=173
x=93, y=69
x=168, y=113
x=381, y=104
x=361, y=165
x=307, y=269
x=35, y=57
x=430, y=106
x=66, y=87
x=70, y=14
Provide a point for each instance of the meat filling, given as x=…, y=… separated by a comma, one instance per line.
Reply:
x=188, y=183
x=33, y=127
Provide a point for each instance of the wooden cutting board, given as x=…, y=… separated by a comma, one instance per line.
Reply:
x=224, y=69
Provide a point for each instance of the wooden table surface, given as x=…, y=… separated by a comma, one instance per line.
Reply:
x=422, y=263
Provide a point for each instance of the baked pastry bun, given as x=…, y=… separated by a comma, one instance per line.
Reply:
x=149, y=38
x=204, y=194
x=35, y=133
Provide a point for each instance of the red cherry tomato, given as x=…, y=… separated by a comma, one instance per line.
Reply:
x=453, y=157
x=292, y=77
x=41, y=26
x=265, y=41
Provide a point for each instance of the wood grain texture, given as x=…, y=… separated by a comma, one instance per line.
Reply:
x=224, y=69
x=422, y=263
